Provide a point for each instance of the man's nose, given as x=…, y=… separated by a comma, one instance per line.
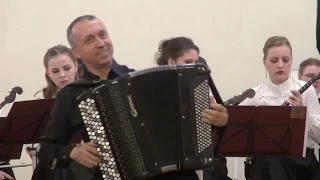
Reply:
x=100, y=43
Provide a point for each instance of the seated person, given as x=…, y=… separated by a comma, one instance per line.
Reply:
x=280, y=87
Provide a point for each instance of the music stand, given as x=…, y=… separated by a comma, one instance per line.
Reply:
x=265, y=131
x=25, y=124
x=8, y=151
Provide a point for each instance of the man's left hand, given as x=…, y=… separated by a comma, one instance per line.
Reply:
x=217, y=115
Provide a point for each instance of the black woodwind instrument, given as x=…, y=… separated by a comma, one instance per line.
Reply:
x=305, y=87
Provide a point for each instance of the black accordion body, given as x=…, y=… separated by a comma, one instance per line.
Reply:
x=148, y=122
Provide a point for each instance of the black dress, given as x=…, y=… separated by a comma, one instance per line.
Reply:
x=286, y=168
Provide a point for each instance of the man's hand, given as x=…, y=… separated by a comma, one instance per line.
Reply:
x=86, y=155
x=4, y=175
x=295, y=99
x=217, y=115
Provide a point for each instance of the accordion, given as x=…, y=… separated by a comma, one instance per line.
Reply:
x=149, y=122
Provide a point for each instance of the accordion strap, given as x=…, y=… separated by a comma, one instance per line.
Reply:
x=217, y=97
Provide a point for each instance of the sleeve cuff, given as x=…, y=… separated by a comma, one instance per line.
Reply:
x=64, y=155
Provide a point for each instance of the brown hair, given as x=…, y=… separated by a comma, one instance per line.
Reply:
x=308, y=62
x=173, y=49
x=51, y=90
x=275, y=41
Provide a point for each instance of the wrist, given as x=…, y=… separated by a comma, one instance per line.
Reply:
x=72, y=153
x=64, y=155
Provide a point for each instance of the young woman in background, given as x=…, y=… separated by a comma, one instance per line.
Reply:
x=61, y=69
x=280, y=87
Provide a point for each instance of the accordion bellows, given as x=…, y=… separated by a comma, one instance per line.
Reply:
x=148, y=122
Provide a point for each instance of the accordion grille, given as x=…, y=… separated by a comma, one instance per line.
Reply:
x=97, y=133
x=152, y=70
x=201, y=98
x=123, y=130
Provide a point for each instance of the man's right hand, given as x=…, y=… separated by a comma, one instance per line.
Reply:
x=86, y=155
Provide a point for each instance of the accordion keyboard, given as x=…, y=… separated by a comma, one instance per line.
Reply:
x=96, y=132
x=203, y=129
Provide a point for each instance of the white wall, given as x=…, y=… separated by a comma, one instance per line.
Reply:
x=230, y=34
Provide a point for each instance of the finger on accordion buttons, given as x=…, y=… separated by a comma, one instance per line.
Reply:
x=218, y=107
x=83, y=156
x=217, y=116
x=207, y=118
x=88, y=162
x=211, y=112
x=92, y=159
x=90, y=147
x=91, y=143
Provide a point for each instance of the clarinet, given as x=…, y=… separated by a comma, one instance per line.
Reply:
x=305, y=87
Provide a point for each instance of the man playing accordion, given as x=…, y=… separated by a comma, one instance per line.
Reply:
x=91, y=43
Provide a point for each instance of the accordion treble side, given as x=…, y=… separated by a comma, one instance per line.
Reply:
x=148, y=122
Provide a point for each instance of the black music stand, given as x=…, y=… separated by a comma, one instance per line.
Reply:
x=9, y=151
x=26, y=121
x=265, y=131
x=24, y=124
x=30, y=119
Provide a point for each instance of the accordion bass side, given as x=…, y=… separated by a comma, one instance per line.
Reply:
x=148, y=122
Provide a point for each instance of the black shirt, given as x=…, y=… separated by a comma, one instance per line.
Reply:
x=66, y=121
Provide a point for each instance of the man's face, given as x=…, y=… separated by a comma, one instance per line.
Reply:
x=92, y=43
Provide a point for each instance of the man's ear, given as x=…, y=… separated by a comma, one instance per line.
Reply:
x=76, y=64
x=75, y=53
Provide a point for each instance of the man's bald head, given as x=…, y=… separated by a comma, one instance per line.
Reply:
x=73, y=23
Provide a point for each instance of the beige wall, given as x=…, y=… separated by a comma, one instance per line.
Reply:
x=230, y=34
